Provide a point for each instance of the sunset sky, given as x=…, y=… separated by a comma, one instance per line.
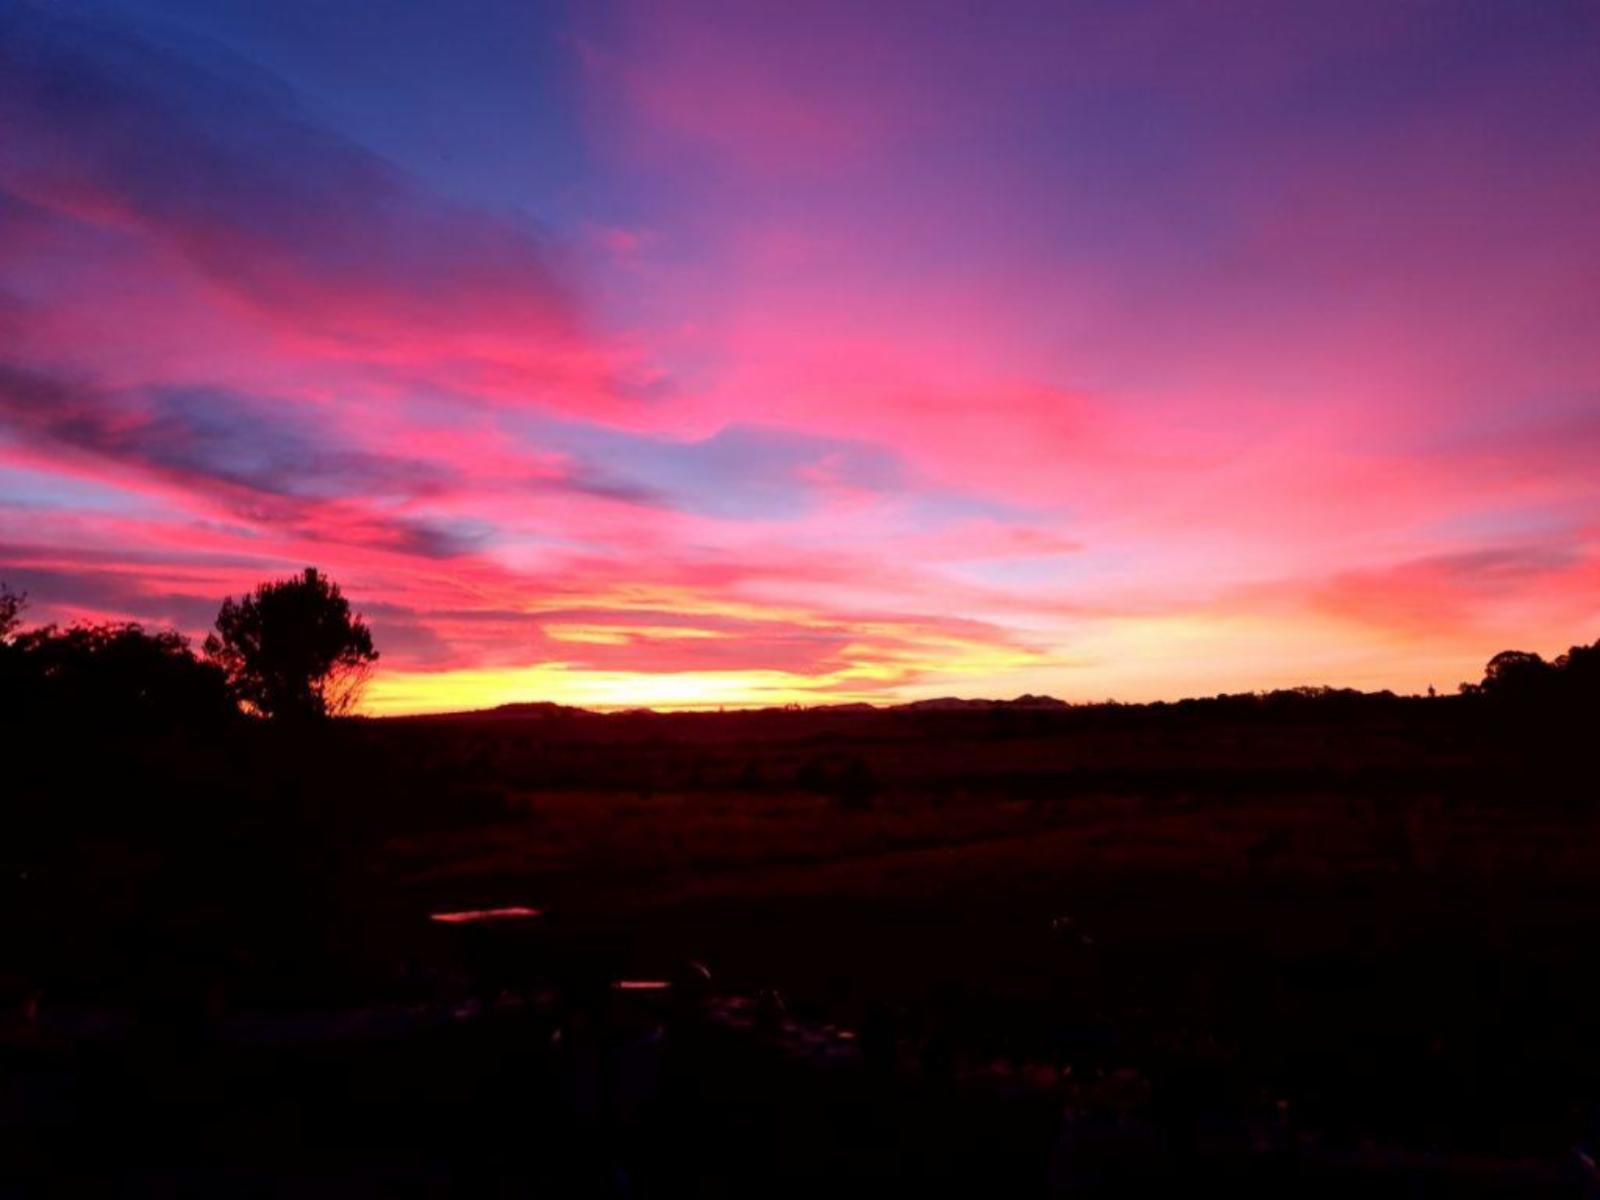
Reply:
x=679, y=354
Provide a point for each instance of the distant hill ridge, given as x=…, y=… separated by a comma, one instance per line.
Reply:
x=549, y=710
x=952, y=702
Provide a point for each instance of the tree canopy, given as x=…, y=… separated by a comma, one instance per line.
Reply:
x=11, y=605
x=115, y=673
x=1525, y=677
x=293, y=649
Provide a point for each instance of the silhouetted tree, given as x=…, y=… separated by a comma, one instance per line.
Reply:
x=115, y=673
x=13, y=673
x=1569, y=684
x=11, y=606
x=1515, y=674
x=293, y=649
x=1579, y=669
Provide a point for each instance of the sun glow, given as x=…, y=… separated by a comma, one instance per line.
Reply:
x=399, y=693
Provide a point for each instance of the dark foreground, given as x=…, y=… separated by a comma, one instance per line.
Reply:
x=1304, y=947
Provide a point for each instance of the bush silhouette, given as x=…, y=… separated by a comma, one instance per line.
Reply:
x=1579, y=669
x=113, y=673
x=1571, y=681
x=11, y=605
x=12, y=677
x=292, y=648
x=1515, y=673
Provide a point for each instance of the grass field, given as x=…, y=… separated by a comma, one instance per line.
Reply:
x=1277, y=945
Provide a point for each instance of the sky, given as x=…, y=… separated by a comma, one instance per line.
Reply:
x=682, y=354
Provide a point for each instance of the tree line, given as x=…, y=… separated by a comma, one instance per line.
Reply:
x=290, y=650
x=293, y=650
x=1520, y=675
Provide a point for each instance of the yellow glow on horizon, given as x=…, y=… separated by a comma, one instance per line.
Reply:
x=1132, y=659
x=399, y=693
x=1144, y=658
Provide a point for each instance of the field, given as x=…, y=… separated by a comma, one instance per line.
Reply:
x=1314, y=944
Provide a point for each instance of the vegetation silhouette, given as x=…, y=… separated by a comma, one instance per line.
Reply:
x=293, y=649
x=115, y=673
x=1238, y=938
x=101, y=674
x=11, y=606
x=1571, y=680
x=290, y=649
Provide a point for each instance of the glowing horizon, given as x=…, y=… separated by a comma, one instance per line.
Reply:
x=696, y=355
